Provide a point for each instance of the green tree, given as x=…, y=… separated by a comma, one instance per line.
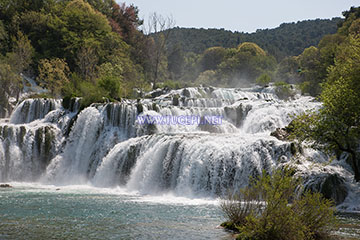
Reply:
x=3, y=38
x=83, y=26
x=336, y=127
x=10, y=83
x=53, y=74
x=251, y=48
x=245, y=63
x=263, y=80
x=21, y=56
x=176, y=62
x=288, y=70
x=86, y=62
x=212, y=57
x=208, y=77
x=311, y=69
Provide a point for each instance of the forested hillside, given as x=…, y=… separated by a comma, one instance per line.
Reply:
x=288, y=39
x=91, y=49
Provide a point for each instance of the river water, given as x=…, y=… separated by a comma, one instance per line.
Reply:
x=31, y=211
x=34, y=211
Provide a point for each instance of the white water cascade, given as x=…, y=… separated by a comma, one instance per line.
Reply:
x=104, y=145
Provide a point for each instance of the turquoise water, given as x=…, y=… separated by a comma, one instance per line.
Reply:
x=31, y=211
x=28, y=212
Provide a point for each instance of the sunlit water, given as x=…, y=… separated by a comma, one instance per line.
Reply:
x=38, y=212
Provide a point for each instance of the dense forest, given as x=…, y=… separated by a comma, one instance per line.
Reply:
x=289, y=39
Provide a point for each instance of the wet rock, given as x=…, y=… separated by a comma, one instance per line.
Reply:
x=186, y=93
x=237, y=114
x=296, y=148
x=139, y=107
x=210, y=128
x=281, y=134
x=334, y=188
x=175, y=100
x=5, y=185
x=151, y=129
x=156, y=93
x=331, y=186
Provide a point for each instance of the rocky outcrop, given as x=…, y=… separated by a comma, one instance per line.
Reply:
x=237, y=114
x=331, y=186
x=281, y=134
x=5, y=185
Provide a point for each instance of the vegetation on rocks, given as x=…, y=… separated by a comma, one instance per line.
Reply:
x=273, y=207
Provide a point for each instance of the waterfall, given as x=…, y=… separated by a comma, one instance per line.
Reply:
x=105, y=144
x=33, y=109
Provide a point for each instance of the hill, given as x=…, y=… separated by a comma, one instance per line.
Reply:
x=289, y=39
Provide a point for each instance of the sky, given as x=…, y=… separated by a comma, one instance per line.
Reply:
x=240, y=15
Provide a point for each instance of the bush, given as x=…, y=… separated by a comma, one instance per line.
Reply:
x=111, y=86
x=170, y=84
x=263, y=80
x=237, y=207
x=91, y=94
x=284, y=90
x=284, y=213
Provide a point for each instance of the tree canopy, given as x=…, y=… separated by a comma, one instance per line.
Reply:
x=336, y=126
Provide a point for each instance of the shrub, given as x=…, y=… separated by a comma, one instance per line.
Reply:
x=284, y=213
x=237, y=207
x=284, y=90
x=91, y=93
x=263, y=80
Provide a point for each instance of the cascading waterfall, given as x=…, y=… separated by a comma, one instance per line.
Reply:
x=105, y=145
x=32, y=109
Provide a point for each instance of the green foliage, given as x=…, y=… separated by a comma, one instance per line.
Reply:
x=21, y=56
x=245, y=64
x=336, y=126
x=191, y=68
x=316, y=213
x=314, y=63
x=212, y=57
x=3, y=38
x=263, y=80
x=207, y=78
x=91, y=94
x=10, y=83
x=53, y=74
x=176, y=62
x=284, y=90
x=170, y=84
x=239, y=206
x=251, y=48
x=311, y=69
x=91, y=45
x=305, y=87
x=288, y=70
x=284, y=214
x=83, y=26
x=111, y=85
x=289, y=39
